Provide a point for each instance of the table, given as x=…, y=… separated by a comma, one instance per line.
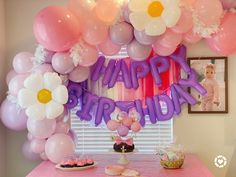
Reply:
x=147, y=165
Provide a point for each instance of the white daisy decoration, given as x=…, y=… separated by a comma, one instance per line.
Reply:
x=43, y=96
x=154, y=16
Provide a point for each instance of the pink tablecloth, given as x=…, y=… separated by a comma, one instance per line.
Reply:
x=147, y=165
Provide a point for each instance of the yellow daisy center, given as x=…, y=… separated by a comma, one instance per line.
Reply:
x=155, y=9
x=44, y=96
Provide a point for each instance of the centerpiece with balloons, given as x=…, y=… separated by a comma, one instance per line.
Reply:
x=73, y=40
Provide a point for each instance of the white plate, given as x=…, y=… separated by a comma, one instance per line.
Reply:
x=76, y=168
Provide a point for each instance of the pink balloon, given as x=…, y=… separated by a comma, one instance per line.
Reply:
x=170, y=39
x=12, y=116
x=126, y=13
x=17, y=83
x=136, y=127
x=123, y=131
x=109, y=48
x=192, y=37
x=56, y=28
x=121, y=33
x=79, y=74
x=43, y=68
x=127, y=121
x=224, y=41
x=37, y=145
x=187, y=3
x=112, y=125
x=11, y=74
x=228, y=4
x=23, y=62
x=95, y=31
x=137, y=51
x=88, y=55
x=44, y=156
x=62, y=63
x=162, y=50
x=209, y=12
x=185, y=22
x=58, y=147
x=62, y=128
x=144, y=39
x=107, y=11
x=28, y=153
x=41, y=129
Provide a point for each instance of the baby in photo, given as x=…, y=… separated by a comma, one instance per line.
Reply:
x=212, y=87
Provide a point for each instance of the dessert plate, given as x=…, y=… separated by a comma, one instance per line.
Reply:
x=76, y=168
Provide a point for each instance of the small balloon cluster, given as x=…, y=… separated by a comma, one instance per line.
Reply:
x=124, y=123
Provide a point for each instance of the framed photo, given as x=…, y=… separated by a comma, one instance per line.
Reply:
x=213, y=75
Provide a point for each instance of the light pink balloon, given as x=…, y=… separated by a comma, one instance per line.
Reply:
x=37, y=145
x=185, y=22
x=28, y=153
x=121, y=33
x=162, y=50
x=144, y=39
x=43, y=68
x=12, y=116
x=17, y=83
x=209, y=12
x=56, y=28
x=41, y=129
x=58, y=147
x=137, y=51
x=62, y=128
x=192, y=37
x=109, y=48
x=123, y=131
x=95, y=31
x=79, y=74
x=11, y=74
x=107, y=11
x=170, y=39
x=62, y=63
x=136, y=127
x=23, y=62
x=30, y=137
x=187, y=3
x=44, y=156
x=224, y=41
x=88, y=55
x=112, y=125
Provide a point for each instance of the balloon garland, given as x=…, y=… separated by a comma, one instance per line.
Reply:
x=74, y=44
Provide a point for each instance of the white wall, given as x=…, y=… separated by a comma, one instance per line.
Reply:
x=206, y=135
x=2, y=83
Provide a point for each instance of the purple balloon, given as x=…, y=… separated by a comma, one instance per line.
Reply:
x=137, y=51
x=75, y=89
x=62, y=63
x=28, y=153
x=139, y=69
x=98, y=68
x=123, y=131
x=158, y=66
x=176, y=100
x=139, y=109
x=169, y=104
x=125, y=105
x=72, y=101
x=108, y=72
x=12, y=116
x=151, y=110
x=126, y=75
x=121, y=33
x=143, y=38
x=115, y=74
x=105, y=107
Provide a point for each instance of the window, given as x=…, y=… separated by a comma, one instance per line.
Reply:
x=91, y=139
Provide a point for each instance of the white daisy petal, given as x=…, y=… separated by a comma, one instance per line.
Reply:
x=26, y=98
x=53, y=110
x=51, y=81
x=34, y=82
x=60, y=94
x=139, y=20
x=155, y=27
x=36, y=111
x=171, y=15
x=139, y=5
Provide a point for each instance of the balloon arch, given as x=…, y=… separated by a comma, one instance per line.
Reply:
x=76, y=48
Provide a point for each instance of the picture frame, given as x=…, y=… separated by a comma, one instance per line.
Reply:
x=213, y=75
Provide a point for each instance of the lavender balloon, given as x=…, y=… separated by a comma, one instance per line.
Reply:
x=121, y=33
x=62, y=63
x=13, y=117
x=143, y=38
x=137, y=51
